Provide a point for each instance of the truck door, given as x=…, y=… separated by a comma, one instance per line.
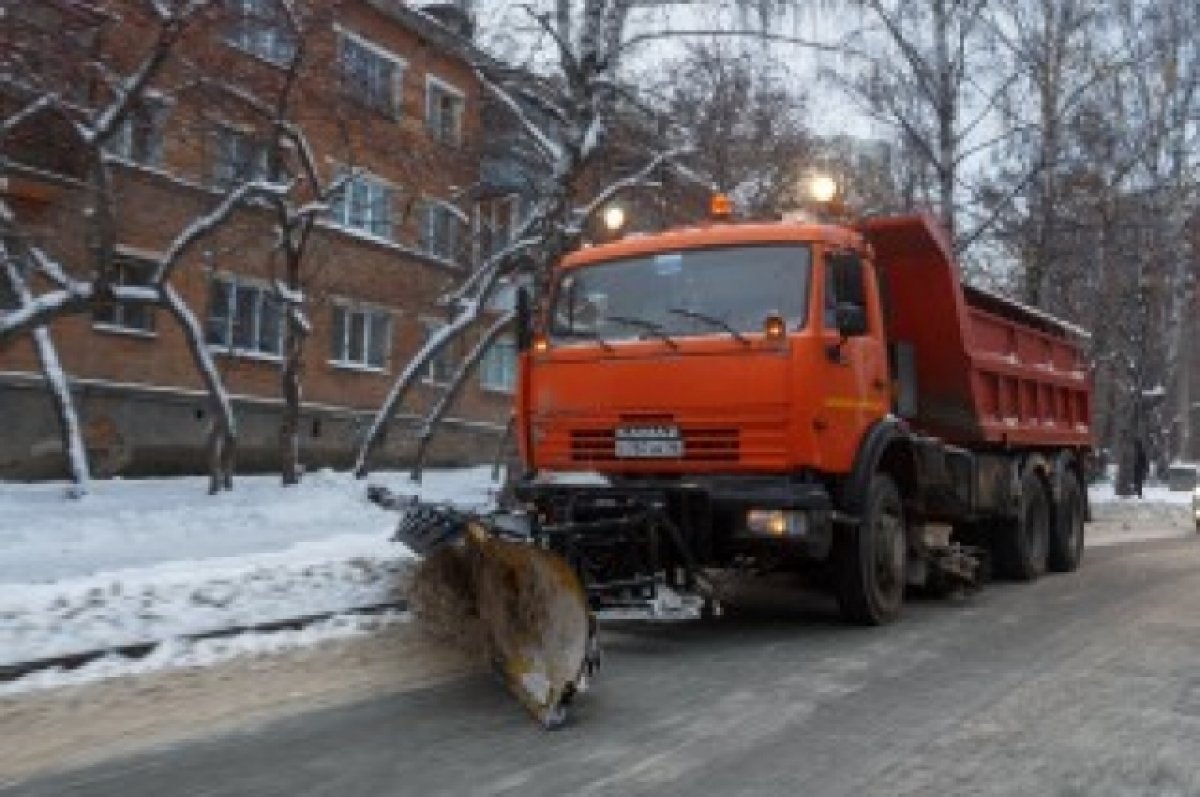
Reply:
x=854, y=391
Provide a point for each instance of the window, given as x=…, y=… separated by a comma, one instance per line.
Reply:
x=498, y=369
x=140, y=137
x=441, y=231
x=364, y=203
x=684, y=293
x=360, y=337
x=128, y=316
x=260, y=28
x=372, y=75
x=498, y=220
x=244, y=317
x=843, y=285
x=442, y=367
x=443, y=111
x=238, y=157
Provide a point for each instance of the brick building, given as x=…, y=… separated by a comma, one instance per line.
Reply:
x=398, y=103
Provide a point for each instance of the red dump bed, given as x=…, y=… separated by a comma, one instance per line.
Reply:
x=988, y=370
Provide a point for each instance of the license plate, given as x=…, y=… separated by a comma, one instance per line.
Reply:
x=649, y=442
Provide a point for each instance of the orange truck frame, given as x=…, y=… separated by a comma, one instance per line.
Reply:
x=813, y=397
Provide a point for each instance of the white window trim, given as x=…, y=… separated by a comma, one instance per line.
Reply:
x=116, y=329
x=337, y=223
x=432, y=80
x=464, y=228
x=378, y=49
x=351, y=305
x=149, y=259
x=244, y=49
x=399, y=62
x=493, y=387
x=246, y=354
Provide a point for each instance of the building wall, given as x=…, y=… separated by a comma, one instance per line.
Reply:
x=140, y=394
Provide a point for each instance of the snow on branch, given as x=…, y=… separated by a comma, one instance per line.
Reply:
x=639, y=179
x=552, y=150
x=204, y=225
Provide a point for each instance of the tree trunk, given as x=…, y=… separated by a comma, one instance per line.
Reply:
x=289, y=426
x=435, y=416
x=222, y=439
x=64, y=408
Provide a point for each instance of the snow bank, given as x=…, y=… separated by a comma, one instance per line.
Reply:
x=132, y=524
x=179, y=653
x=143, y=561
x=1104, y=493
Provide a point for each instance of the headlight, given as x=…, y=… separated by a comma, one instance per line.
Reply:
x=777, y=522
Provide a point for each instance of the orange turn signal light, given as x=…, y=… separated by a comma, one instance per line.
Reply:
x=541, y=345
x=774, y=327
x=721, y=207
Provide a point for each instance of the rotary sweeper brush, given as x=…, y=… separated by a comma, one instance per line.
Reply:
x=489, y=588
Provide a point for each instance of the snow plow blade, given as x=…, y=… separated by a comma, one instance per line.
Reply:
x=493, y=591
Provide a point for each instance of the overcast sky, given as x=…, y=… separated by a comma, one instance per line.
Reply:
x=505, y=27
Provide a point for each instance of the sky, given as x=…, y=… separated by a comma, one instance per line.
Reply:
x=505, y=27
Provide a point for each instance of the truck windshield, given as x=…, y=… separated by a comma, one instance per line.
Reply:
x=718, y=291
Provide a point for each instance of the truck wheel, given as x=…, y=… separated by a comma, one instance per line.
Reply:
x=1066, y=537
x=1022, y=545
x=872, y=558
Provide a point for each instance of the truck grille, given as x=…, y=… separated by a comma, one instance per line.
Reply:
x=699, y=445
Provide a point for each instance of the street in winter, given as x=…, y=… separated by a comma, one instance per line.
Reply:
x=1078, y=684
x=548, y=397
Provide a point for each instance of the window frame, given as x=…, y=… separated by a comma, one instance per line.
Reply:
x=245, y=30
x=234, y=284
x=118, y=323
x=225, y=133
x=342, y=202
x=395, y=109
x=487, y=361
x=368, y=313
x=154, y=111
x=432, y=83
x=428, y=239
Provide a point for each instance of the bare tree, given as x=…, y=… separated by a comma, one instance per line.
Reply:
x=566, y=117
x=930, y=70
x=128, y=74
x=744, y=122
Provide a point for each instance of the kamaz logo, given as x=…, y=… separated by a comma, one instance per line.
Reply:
x=648, y=433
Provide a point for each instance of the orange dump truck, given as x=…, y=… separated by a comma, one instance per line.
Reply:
x=815, y=397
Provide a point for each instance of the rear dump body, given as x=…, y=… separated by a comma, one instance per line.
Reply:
x=988, y=371
x=896, y=392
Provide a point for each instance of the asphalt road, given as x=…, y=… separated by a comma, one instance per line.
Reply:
x=1083, y=684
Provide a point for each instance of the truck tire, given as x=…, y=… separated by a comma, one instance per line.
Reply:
x=872, y=558
x=1022, y=545
x=1066, y=536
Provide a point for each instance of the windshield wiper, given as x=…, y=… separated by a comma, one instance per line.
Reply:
x=711, y=319
x=649, y=326
x=590, y=335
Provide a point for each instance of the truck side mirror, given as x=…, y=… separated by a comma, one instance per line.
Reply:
x=851, y=320
x=524, y=320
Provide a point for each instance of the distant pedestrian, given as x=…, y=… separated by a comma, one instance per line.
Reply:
x=1141, y=466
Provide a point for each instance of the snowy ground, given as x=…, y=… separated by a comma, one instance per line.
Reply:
x=156, y=559
x=1160, y=514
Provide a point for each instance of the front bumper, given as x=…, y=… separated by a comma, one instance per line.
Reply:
x=710, y=512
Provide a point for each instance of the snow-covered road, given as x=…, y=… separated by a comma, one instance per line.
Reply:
x=152, y=560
